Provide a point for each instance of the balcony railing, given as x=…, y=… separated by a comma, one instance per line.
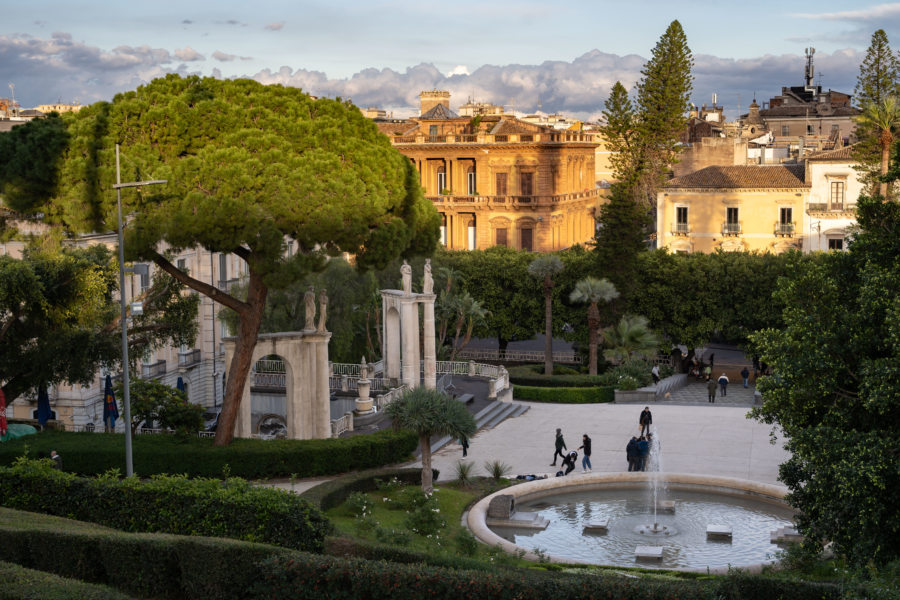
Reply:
x=157, y=369
x=189, y=358
x=681, y=228
x=731, y=229
x=514, y=199
x=784, y=229
x=555, y=137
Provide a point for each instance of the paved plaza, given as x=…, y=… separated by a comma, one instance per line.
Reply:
x=695, y=437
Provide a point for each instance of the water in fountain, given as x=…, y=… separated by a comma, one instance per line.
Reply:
x=655, y=482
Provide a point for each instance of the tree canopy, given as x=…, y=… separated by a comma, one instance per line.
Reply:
x=249, y=168
x=835, y=392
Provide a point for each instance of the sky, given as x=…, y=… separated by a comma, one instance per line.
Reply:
x=525, y=55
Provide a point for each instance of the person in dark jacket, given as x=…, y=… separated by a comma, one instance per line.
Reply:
x=745, y=375
x=643, y=454
x=586, y=459
x=711, y=387
x=631, y=452
x=57, y=460
x=560, y=446
x=569, y=462
x=645, y=420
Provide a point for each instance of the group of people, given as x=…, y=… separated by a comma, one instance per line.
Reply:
x=637, y=451
x=570, y=458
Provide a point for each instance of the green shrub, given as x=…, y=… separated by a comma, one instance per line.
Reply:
x=96, y=453
x=329, y=494
x=532, y=375
x=19, y=583
x=425, y=518
x=359, y=504
x=496, y=469
x=575, y=395
x=629, y=375
x=171, y=504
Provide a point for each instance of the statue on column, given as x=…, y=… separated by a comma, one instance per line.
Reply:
x=323, y=305
x=309, y=299
x=406, y=272
x=428, y=285
x=363, y=369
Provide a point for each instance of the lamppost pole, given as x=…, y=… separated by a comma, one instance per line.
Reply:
x=126, y=399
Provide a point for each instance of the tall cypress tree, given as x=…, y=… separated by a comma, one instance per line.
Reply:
x=879, y=78
x=619, y=132
x=662, y=102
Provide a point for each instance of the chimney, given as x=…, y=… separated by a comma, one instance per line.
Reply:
x=428, y=100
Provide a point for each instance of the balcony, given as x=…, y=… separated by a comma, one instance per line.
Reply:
x=189, y=358
x=784, y=229
x=556, y=137
x=833, y=210
x=681, y=229
x=512, y=201
x=731, y=229
x=153, y=370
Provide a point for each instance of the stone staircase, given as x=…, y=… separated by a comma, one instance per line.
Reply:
x=487, y=418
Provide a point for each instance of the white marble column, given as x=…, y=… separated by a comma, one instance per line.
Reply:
x=429, y=352
x=321, y=428
x=409, y=330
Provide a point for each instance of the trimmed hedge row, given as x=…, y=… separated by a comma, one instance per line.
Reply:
x=166, y=566
x=329, y=494
x=19, y=583
x=170, y=504
x=531, y=375
x=558, y=395
x=97, y=453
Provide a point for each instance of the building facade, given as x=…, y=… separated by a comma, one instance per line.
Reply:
x=830, y=213
x=497, y=180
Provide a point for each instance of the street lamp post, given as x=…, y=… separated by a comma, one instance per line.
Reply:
x=126, y=400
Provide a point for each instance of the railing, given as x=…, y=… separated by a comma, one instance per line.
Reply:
x=681, y=228
x=555, y=137
x=336, y=382
x=186, y=359
x=436, y=139
x=516, y=199
x=381, y=401
x=731, y=229
x=501, y=138
x=341, y=425
x=835, y=207
x=785, y=229
x=269, y=366
x=157, y=369
x=519, y=355
x=270, y=381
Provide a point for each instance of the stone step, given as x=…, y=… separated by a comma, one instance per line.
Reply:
x=487, y=418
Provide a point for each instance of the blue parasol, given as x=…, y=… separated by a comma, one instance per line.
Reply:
x=43, y=407
x=179, y=385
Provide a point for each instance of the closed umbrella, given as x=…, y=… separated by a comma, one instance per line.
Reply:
x=43, y=410
x=2, y=414
x=110, y=408
x=179, y=385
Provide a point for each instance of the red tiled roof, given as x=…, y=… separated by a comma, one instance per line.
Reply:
x=781, y=176
x=845, y=153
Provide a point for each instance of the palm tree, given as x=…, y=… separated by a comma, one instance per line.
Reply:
x=630, y=337
x=430, y=412
x=545, y=267
x=469, y=314
x=883, y=117
x=591, y=290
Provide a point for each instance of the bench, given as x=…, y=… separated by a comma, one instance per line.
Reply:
x=466, y=398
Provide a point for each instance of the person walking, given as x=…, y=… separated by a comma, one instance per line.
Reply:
x=586, y=459
x=711, y=386
x=712, y=359
x=723, y=383
x=464, y=442
x=745, y=375
x=560, y=446
x=654, y=372
x=707, y=372
x=645, y=420
x=631, y=453
x=57, y=460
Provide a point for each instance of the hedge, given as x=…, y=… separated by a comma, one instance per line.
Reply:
x=329, y=494
x=167, y=566
x=19, y=583
x=169, y=504
x=531, y=375
x=559, y=395
x=97, y=453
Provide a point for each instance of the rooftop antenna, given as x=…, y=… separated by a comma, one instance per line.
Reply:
x=810, y=71
x=12, y=101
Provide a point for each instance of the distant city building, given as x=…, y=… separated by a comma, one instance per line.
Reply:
x=59, y=107
x=497, y=179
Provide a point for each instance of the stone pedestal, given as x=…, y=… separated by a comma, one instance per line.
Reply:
x=364, y=402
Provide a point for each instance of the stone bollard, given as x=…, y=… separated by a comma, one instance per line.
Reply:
x=349, y=415
x=492, y=389
x=471, y=368
x=345, y=383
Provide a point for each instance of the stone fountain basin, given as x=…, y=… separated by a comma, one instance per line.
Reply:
x=535, y=490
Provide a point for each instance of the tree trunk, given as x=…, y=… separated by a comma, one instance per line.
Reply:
x=593, y=338
x=548, y=325
x=251, y=318
x=886, y=140
x=427, y=475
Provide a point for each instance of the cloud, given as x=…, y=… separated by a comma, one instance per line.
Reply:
x=223, y=57
x=873, y=13
x=188, y=54
x=458, y=70
x=186, y=22
x=275, y=26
